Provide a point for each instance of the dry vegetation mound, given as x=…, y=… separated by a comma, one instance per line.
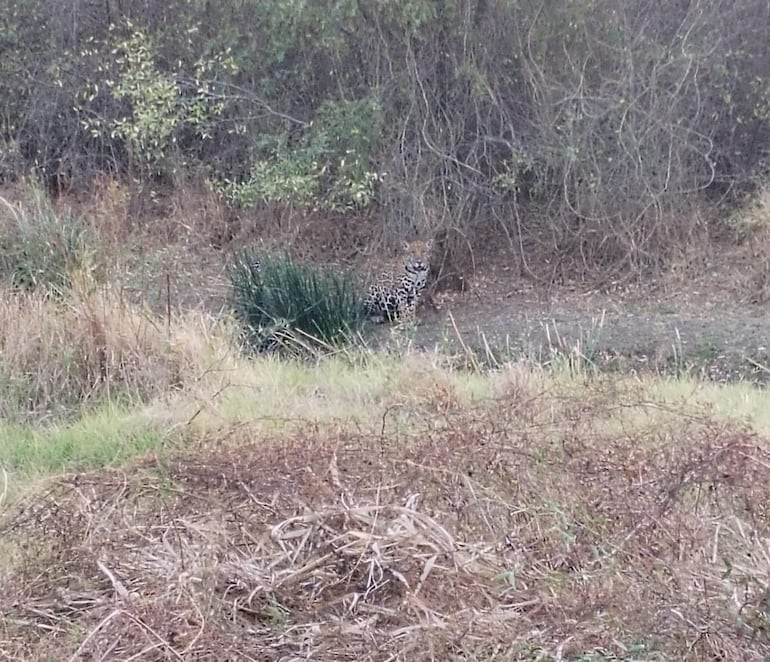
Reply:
x=535, y=526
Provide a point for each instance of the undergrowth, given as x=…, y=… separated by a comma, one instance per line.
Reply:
x=42, y=248
x=537, y=521
x=63, y=355
x=364, y=506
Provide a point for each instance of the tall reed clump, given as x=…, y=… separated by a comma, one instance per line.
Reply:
x=293, y=307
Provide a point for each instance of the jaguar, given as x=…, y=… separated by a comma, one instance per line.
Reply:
x=395, y=294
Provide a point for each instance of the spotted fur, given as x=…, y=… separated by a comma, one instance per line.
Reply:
x=394, y=295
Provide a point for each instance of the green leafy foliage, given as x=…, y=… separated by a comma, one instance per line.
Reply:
x=293, y=306
x=155, y=108
x=330, y=168
x=156, y=105
x=284, y=176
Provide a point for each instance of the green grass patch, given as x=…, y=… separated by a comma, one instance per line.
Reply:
x=102, y=438
x=741, y=402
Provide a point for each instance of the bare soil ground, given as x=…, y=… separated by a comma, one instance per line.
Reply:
x=701, y=325
x=705, y=324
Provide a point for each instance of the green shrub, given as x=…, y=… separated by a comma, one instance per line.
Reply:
x=330, y=167
x=290, y=306
x=40, y=247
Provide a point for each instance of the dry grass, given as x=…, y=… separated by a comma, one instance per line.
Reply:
x=190, y=213
x=363, y=507
x=526, y=526
x=751, y=224
x=59, y=355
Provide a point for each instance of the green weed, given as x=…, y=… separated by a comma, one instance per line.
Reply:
x=102, y=438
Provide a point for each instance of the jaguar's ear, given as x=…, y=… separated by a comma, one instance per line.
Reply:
x=405, y=246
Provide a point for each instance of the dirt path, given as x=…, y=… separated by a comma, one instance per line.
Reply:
x=697, y=324
x=684, y=328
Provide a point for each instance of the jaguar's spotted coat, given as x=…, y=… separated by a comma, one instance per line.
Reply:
x=394, y=295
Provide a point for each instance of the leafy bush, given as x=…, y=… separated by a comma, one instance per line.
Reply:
x=40, y=247
x=330, y=168
x=285, y=305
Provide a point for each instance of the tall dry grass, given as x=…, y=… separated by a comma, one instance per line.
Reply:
x=58, y=355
